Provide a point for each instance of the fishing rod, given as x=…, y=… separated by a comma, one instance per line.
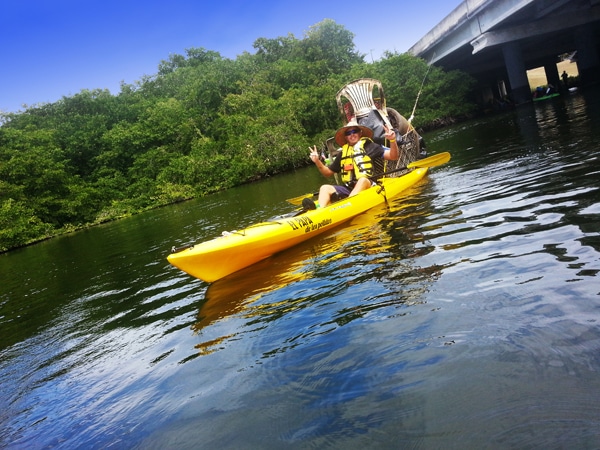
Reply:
x=412, y=115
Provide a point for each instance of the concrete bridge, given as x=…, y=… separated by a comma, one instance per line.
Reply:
x=497, y=41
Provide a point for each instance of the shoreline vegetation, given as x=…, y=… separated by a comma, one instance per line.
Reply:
x=201, y=124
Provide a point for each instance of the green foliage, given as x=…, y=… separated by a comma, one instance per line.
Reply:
x=19, y=225
x=203, y=123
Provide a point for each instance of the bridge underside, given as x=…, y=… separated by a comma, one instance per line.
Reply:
x=497, y=42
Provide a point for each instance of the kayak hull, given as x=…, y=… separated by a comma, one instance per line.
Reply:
x=224, y=255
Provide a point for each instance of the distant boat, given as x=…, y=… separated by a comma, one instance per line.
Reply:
x=546, y=97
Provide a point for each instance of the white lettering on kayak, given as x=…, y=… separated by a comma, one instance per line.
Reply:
x=341, y=206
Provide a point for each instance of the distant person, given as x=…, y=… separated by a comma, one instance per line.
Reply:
x=565, y=78
x=357, y=161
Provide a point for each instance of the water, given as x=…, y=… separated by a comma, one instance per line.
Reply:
x=465, y=315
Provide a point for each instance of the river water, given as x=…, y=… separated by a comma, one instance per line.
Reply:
x=464, y=315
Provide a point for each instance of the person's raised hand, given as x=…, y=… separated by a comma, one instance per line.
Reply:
x=390, y=134
x=314, y=154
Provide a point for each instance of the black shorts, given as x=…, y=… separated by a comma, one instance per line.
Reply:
x=342, y=191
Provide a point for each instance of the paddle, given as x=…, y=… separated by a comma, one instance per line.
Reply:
x=431, y=161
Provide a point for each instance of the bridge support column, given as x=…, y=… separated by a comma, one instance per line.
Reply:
x=588, y=64
x=517, y=74
x=552, y=74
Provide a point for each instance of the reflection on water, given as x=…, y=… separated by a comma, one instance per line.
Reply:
x=268, y=291
x=464, y=314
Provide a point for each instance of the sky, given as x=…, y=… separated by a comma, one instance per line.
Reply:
x=55, y=48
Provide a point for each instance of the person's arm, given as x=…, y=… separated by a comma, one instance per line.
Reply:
x=394, y=152
x=314, y=156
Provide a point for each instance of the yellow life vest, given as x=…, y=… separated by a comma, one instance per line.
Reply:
x=355, y=162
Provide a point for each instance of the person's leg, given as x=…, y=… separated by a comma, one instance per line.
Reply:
x=361, y=185
x=325, y=195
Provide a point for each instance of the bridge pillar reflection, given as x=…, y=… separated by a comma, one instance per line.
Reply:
x=517, y=74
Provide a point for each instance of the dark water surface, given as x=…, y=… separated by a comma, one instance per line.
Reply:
x=464, y=316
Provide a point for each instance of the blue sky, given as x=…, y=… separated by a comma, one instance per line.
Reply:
x=55, y=48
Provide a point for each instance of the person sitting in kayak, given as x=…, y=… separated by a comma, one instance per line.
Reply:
x=359, y=159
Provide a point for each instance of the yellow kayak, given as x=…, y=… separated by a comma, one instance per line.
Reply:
x=224, y=255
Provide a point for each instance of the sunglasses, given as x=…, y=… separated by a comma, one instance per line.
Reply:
x=349, y=132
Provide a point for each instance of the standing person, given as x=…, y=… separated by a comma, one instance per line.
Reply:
x=565, y=78
x=358, y=160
